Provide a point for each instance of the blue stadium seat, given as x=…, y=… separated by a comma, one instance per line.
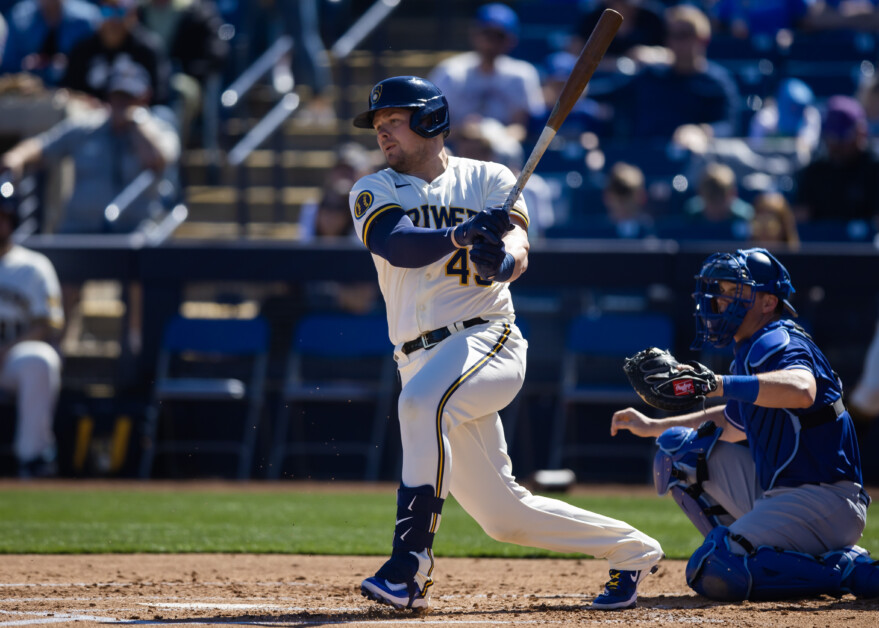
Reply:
x=592, y=369
x=203, y=361
x=836, y=231
x=340, y=359
x=832, y=46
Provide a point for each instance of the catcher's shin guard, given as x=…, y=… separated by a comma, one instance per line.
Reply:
x=683, y=454
x=411, y=561
x=770, y=574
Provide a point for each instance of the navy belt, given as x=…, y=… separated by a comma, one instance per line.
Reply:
x=432, y=338
x=827, y=414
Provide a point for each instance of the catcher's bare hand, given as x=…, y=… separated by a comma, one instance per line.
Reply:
x=634, y=421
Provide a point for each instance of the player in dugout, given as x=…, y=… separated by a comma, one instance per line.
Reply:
x=445, y=251
x=780, y=516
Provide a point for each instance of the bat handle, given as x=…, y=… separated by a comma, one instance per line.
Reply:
x=512, y=197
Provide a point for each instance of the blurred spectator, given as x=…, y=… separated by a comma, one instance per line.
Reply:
x=718, y=204
x=352, y=162
x=587, y=115
x=119, y=39
x=31, y=320
x=43, y=32
x=487, y=82
x=109, y=147
x=689, y=89
x=4, y=33
x=745, y=18
x=855, y=15
x=189, y=31
x=643, y=25
x=625, y=200
x=790, y=114
x=329, y=217
x=331, y=220
x=773, y=222
x=868, y=96
x=489, y=140
x=842, y=181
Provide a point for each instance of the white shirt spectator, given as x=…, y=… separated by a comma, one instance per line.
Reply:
x=513, y=87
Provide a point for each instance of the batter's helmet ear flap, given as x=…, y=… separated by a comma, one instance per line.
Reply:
x=430, y=109
x=432, y=119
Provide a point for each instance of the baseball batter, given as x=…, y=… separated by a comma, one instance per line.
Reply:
x=445, y=253
x=30, y=368
x=781, y=516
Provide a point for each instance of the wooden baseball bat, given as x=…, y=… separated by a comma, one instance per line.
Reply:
x=597, y=44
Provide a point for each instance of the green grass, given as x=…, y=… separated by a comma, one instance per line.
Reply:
x=285, y=521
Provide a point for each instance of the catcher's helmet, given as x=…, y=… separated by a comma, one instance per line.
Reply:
x=756, y=268
x=430, y=115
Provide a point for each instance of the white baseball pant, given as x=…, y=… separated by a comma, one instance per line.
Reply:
x=453, y=440
x=32, y=372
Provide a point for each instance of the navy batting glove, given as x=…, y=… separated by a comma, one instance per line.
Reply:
x=492, y=261
x=489, y=225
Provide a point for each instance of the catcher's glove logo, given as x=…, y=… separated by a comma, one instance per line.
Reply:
x=376, y=94
x=684, y=387
x=664, y=383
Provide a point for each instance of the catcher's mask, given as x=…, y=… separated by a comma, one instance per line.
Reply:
x=430, y=109
x=756, y=268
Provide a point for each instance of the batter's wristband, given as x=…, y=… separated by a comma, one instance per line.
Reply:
x=741, y=387
x=506, y=269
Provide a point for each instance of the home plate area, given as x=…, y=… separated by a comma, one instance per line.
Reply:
x=294, y=590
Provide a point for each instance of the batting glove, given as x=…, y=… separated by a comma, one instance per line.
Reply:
x=489, y=225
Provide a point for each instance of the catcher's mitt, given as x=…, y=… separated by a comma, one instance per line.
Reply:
x=664, y=383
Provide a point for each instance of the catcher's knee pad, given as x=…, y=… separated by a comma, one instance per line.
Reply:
x=683, y=454
x=860, y=573
x=765, y=573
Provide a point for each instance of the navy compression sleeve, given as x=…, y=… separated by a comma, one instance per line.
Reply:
x=394, y=237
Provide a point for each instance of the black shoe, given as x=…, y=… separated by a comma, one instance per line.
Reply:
x=37, y=468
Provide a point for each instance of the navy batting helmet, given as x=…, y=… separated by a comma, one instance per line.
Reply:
x=756, y=268
x=430, y=109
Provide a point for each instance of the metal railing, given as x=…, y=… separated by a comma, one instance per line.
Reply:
x=269, y=124
x=134, y=191
x=237, y=156
x=368, y=22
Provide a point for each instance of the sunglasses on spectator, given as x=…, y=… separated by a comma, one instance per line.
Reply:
x=109, y=12
x=494, y=33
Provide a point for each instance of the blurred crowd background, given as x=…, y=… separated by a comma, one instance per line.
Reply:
x=174, y=123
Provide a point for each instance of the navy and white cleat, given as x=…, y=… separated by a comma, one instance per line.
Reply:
x=400, y=596
x=621, y=591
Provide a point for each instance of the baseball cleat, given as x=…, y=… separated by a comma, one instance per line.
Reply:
x=621, y=591
x=397, y=595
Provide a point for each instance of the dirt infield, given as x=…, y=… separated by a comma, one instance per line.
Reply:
x=219, y=590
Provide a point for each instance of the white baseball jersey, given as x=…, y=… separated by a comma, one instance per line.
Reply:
x=29, y=290
x=448, y=291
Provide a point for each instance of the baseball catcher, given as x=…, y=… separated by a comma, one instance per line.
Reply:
x=780, y=516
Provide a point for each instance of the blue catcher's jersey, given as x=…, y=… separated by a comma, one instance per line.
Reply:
x=790, y=449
